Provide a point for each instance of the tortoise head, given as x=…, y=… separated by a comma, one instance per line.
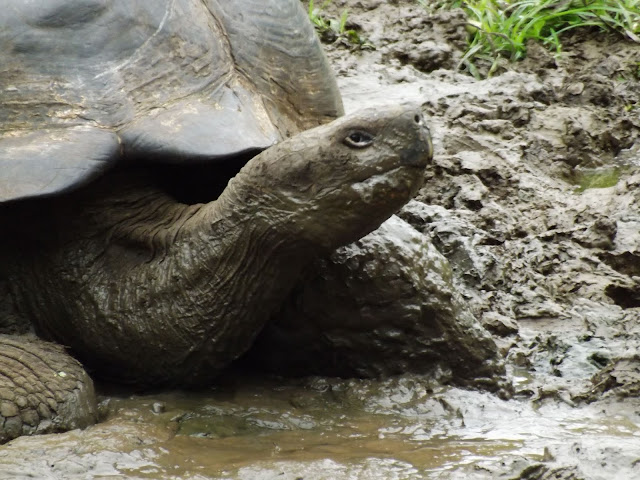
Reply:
x=335, y=183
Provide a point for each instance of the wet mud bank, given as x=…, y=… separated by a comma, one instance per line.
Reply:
x=407, y=427
x=533, y=198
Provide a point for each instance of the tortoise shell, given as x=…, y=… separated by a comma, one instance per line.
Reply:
x=85, y=84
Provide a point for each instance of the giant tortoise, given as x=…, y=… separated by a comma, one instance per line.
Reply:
x=121, y=122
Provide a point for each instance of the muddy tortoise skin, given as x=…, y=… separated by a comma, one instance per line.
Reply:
x=141, y=285
x=42, y=389
x=147, y=290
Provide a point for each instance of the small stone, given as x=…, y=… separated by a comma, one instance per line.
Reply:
x=158, y=407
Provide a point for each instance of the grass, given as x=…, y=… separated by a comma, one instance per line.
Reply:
x=334, y=30
x=500, y=29
x=596, y=178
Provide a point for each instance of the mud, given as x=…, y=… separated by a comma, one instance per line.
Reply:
x=534, y=199
x=405, y=428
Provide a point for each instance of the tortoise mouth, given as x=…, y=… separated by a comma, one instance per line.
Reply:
x=197, y=183
x=402, y=180
x=410, y=162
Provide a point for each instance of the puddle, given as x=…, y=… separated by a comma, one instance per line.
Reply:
x=319, y=429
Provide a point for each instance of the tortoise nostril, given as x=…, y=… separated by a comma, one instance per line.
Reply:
x=418, y=119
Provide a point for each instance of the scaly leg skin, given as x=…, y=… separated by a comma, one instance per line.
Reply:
x=42, y=389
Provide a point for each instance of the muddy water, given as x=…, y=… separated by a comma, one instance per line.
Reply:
x=402, y=428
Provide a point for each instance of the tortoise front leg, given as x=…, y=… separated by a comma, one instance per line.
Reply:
x=42, y=389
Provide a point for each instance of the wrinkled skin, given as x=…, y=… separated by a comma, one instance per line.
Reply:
x=151, y=291
x=383, y=305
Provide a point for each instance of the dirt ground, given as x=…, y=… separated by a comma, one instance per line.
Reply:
x=534, y=193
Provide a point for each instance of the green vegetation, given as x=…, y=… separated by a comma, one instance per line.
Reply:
x=333, y=30
x=596, y=178
x=500, y=29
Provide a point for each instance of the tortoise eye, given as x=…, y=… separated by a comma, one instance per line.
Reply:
x=358, y=139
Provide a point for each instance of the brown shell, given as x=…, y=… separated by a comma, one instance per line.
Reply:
x=84, y=83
